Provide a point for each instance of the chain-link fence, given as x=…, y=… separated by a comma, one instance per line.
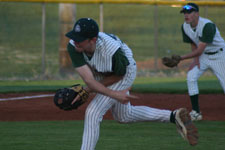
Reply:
x=152, y=31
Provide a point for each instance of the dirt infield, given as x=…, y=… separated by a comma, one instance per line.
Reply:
x=37, y=109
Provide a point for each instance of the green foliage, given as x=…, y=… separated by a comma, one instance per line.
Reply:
x=67, y=135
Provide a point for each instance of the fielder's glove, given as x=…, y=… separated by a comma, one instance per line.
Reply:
x=171, y=62
x=64, y=97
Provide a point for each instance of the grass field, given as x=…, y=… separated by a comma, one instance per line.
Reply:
x=67, y=135
x=142, y=85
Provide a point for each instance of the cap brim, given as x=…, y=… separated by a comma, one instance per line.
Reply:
x=185, y=10
x=75, y=37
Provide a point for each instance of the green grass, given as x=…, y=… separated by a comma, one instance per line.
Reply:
x=67, y=135
x=141, y=84
x=175, y=85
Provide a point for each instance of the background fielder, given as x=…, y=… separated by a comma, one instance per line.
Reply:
x=107, y=67
x=208, y=51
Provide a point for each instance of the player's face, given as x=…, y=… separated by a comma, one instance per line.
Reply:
x=191, y=18
x=87, y=46
x=82, y=46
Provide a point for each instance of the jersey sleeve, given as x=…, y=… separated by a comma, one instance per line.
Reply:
x=76, y=57
x=120, y=63
x=208, y=33
x=186, y=39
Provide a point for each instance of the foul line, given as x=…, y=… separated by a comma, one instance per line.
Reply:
x=26, y=97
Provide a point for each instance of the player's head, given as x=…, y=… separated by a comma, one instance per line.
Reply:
x=191, y=14
x=189, y=8
x=84, y=28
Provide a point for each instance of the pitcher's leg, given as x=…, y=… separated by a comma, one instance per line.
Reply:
x=127, y=113
x=93, y=116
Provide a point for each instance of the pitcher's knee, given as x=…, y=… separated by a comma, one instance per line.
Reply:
x=123, y=118
x=91, y=114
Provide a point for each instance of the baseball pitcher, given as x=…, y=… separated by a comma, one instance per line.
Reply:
x=107, y=67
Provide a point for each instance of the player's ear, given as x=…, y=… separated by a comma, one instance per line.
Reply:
x=196, y=14
x=94, y=39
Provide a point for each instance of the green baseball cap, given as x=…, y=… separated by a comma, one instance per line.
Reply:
x=83, y=29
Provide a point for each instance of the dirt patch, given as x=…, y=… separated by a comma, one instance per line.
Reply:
x=212, y=106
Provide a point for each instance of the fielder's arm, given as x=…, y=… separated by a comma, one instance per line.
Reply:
x=196, y=51
x=195, y=59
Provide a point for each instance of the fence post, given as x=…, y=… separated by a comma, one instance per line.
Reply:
x=43, y=38
x=206, y=11
x=67, y=15
x=156, y=37
x=101, y=16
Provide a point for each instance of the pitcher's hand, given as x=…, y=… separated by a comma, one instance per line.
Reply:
x=123, y=96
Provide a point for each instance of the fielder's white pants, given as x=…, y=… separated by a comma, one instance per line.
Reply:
x=214, y=62
x=124, y=113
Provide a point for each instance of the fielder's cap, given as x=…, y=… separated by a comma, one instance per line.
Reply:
x=83, y=29
x=190, y=7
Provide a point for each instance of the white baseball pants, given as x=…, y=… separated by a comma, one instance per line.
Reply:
x=214, y=62
x=124, y=113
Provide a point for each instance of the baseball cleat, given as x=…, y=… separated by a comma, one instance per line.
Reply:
x=185, y=126
x=195, y=116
